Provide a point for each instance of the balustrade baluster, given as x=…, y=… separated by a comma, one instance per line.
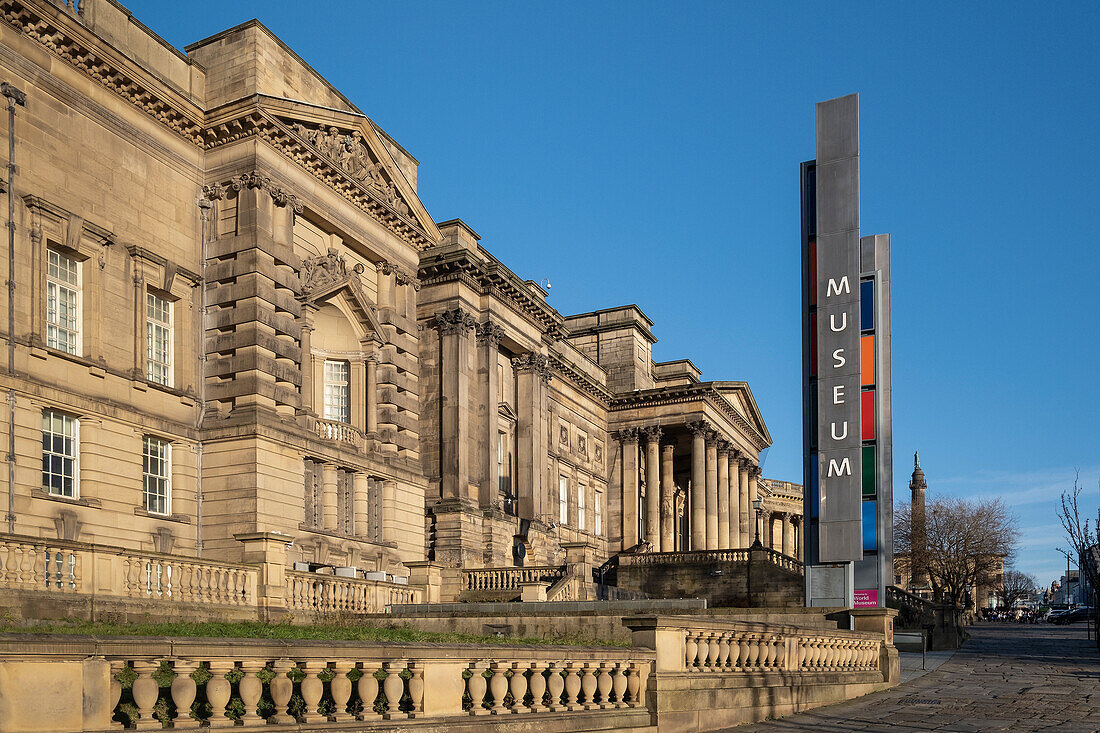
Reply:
x=603, y=685
x=634, y=686
x=477, y=686
x=218, y=692
x=498, y=688
x=251, y=690
x=26, y=566
x=754, y=651
x=312, y=689
x=702, y=649
x=769, y=653
x=115, y=690
x=240, y=588
x=572, y=686
x=723, y=651
x=146, y=691
x=368, y=687
x=691, y=648
x=518, y=686
x=5, y=549
x=712, y=652
x=282, y=689
x=589, y=684
x=416, y=689
x=618, y=684
x=340, y=689
x=537, y=686
x=394, y=687
x=556, y=683
x=742, y=651
x=184, y=690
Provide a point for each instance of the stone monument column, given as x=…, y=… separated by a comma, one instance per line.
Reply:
x=488, y=341
x=532, y=375
x=454, y=327
x=668, y=500
x=698, y=485
x=723, y=495
x=788, y=535
x=653, y=484
x=752, y=474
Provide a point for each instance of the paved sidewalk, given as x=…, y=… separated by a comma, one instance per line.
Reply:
x=1007, y=677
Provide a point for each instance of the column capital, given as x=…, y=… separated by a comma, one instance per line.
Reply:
x=724, y=446
x=454, y=321
x=532, y=363
x=711, y=437
x=652, y=433
x=489, y=333
x=668, y=448
x=626, y=435
x=756, y=471
x=699, y=427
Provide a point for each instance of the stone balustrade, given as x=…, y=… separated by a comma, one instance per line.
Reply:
x=340, y=432
x=683, y=558
x=784, y=561
x=488, y=579
x=78, y=568
x=329, y=593
x=743, y=651
x=302, y=685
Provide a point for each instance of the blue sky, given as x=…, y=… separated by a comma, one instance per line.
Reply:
x=648, y=153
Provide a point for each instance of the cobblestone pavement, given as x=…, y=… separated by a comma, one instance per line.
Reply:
x=1006, y=677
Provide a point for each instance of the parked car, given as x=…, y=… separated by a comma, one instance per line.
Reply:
x=1078, y=614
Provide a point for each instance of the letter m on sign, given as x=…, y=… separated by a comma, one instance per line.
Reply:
x=844, y=468
x=835, y=289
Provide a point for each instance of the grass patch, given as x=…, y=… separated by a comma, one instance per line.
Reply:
x=320, y=632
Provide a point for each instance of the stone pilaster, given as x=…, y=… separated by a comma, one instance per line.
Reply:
x=734, y=469
x=372, y=395
x=454, y=327
x=628, y=442
x=746, y=518
x=488, y=347
x=668, y=500
x=698, y=485
x=788, y=535
x=653, y=483
x=532, y=376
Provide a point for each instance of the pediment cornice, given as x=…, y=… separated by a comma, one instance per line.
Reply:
x=351, y=160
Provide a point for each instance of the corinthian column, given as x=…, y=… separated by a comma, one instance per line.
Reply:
x=712, y=490
x=753, y=473
x=653, y=483
x=788, y=535
x=734, y=469
x=746, y=518
x=698, y=485
x=723, y=495
x=668, y=501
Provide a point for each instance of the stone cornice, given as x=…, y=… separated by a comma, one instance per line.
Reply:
x=64, y=36
x=579, y=380
x=254, y=121
x=489, y=279
x=691, y=393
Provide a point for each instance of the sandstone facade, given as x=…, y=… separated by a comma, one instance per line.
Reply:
x=236, y=322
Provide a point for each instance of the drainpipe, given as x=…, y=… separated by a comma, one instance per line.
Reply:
x=15, y=97
x=205, y=205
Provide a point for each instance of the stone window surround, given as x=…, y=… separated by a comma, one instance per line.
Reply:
x=358, y=533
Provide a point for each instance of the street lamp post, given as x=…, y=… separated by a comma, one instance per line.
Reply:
x=758, y=506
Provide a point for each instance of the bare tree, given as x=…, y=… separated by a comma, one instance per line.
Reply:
x=1081, y=535
x=960, y=543
x=1017, y=586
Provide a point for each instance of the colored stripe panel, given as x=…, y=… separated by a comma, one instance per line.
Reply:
x=866, y=360
x=870, y=526
x=869, y=483
x=813, y=272
x=866, y=305
x=867, y=403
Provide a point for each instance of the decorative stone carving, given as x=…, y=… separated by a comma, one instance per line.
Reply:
x=67, y=525
x=319, y=273
x=699, y=427
x=403, y=278
x=213, y=192
x=163, y=540
x=489, y=333
x=284, y=198
x=652, y=433
x=564, y=437
x=252, y=179
x=454, y=321
x=531, y=363
x=626, y=435
x=599, y=453
x=350, y=152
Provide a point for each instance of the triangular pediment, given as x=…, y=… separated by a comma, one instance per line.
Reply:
x=505, y=410
x=326, y=277
x=351, y=146
x=739, y=396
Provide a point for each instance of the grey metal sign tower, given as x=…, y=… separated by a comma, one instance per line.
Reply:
x=846, y=376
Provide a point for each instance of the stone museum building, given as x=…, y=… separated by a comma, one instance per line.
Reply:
x=245, y=364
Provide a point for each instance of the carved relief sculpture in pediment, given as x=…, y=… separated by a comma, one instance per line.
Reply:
x=323, y=272
x=349, y=152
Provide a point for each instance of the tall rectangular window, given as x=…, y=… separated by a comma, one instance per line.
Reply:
x=581, y=491
x=337, y=391
x=597, y=510
x=158, y=340
x=314, y=493
x=345, y=496
x=60, y=436
x=62, y=302
x=563, y=499
x=156, y=479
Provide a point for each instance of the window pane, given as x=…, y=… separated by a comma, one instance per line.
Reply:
x=62, y=301
x=58, y=453
x=337, y=391
x=156, y=474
